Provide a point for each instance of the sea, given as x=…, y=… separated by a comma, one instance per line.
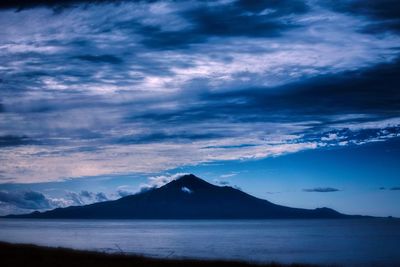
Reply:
x=346, y=242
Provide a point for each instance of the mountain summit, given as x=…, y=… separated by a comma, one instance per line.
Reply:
x=188, y=197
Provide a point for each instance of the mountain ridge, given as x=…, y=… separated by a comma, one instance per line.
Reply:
x=188, y=197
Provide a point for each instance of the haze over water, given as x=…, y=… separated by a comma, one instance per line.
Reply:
x=366, y=242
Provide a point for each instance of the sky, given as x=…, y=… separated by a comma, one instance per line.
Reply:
x=294, y=101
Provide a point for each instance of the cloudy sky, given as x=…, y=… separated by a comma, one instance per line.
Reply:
x=295, y=101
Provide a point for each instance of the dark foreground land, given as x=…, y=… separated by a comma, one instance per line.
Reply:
x=12, y=255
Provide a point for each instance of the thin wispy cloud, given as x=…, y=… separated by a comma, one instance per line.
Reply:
x=228, y=175
x=322, y=190
x=160, y=180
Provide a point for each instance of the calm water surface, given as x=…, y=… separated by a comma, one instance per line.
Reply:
x=367, y=242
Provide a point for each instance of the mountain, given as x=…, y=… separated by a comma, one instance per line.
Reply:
x=188, y=197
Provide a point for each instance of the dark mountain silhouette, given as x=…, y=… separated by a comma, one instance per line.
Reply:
x=188, y=197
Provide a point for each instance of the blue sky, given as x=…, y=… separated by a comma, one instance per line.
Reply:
x=294, y=101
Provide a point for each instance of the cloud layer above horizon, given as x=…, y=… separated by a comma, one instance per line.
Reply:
x=144, y=86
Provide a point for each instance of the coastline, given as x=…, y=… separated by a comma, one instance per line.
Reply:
x=34, y=255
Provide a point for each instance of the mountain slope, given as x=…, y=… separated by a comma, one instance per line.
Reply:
x=188, y=197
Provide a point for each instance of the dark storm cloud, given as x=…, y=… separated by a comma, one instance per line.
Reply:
x=26, y=200
x=322, y=189
x=24, y=4
x=18, y=201
x=371, y=90
x=324, y=101
x=11, y=140
x=163, y=136
x=245, y=18
x=384, y=9
x=383, y=14
x=100, y=59
x=266, y=18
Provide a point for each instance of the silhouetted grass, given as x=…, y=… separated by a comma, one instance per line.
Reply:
x=12, y=255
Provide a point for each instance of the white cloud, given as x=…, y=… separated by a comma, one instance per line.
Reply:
x=160, y=180
x=228, y=175
x=186, y=190
x=330, y=137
